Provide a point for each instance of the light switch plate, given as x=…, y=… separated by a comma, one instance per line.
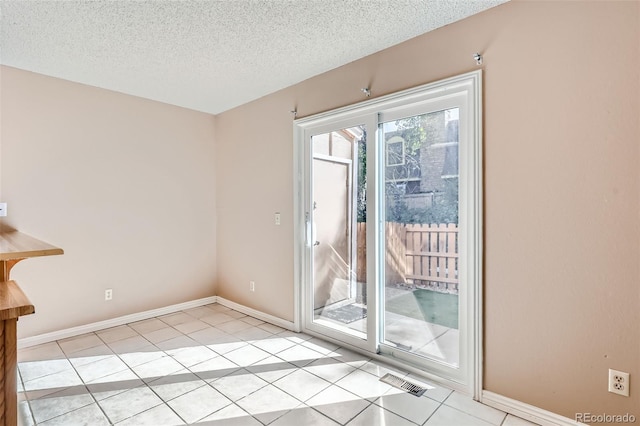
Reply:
x=3, y=209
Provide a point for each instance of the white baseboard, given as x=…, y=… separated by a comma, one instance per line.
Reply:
x=258, y=314
x=101, y=325
x=526, y=411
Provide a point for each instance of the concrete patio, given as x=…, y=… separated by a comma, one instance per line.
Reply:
x=416, y=336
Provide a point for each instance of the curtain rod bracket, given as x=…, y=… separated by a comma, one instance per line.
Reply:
x=478, y=58
x=366, y=91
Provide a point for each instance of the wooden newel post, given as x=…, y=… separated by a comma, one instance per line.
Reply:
x=14, y=247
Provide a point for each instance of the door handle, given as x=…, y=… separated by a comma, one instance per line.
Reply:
x=317, y=243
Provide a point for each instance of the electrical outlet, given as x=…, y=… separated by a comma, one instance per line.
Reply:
x=619, y=382
x=252, y=286
x=3, y=209
x=108, y=294
x=277, y=218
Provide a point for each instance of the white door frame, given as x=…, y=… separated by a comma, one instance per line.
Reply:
x=303, y=230
x=470, y=190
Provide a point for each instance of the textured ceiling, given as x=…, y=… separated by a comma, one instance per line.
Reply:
x=209, y=55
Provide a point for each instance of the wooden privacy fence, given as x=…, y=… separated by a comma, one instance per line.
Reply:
x=422, y=254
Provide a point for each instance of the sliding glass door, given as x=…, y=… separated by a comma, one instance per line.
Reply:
x=421, y=197
x=337, y=207
x=388, y=201
x=335, y=201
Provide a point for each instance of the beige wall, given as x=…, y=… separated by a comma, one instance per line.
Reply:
x=562, y=190
x=124, y=185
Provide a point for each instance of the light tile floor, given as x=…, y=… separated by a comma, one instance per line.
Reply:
x=215, y=366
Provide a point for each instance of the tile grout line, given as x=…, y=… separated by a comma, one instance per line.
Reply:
x=189, y=368
x=145, y=384
x=440, y=404
x=248, y=342
x=297, y=368
x=470, y=414
x=148, y=384
x=369, y=403
x=268, y=383
x=26, y=396
x=85, y=384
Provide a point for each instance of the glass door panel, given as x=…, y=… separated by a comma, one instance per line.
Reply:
x=420, y=191
x=338, y=215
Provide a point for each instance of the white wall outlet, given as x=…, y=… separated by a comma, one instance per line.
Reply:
x=252, y=286
x=277, y=218
x=108, y=294
x=3, y=209
x=619, y=382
